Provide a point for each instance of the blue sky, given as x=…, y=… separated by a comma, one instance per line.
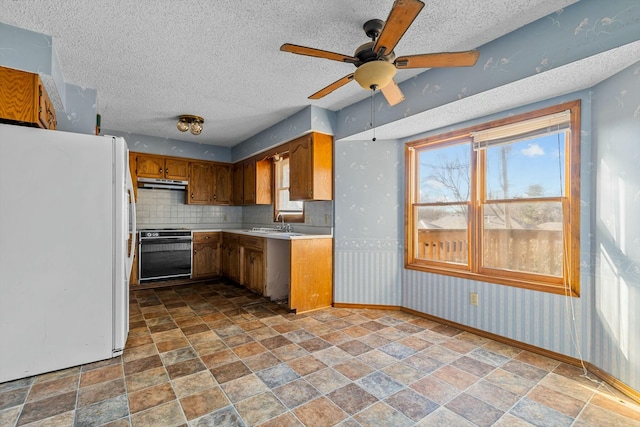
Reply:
x=537, y=161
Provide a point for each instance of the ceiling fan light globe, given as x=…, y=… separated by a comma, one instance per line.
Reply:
x=182, y=126
x=376, y=74
x=196, y=128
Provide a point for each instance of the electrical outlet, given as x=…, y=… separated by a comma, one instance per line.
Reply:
x=224, y=217
x=326, y=218
x=473, y=298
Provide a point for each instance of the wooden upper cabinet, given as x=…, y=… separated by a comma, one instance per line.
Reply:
x=221, y=184
x=252, y=179
x=209, y=184
x=24, y=100
x=153, y=166
x=263, y=181
x=176, y=169
x=311, y=167
x=249, y=182
x=237, y=178
x=200, y=185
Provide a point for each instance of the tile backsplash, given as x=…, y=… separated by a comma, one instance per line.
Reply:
x=167, y=208
x=157, y=207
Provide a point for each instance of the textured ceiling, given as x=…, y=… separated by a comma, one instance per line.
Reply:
x=153, y=60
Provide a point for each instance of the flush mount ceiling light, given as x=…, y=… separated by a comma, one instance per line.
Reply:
x=188, y=122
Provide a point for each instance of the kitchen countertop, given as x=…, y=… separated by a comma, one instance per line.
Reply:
x=269, y=234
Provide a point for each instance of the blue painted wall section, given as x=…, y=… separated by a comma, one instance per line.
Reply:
x=308, y=119
x=614, y=314
x=172, y=147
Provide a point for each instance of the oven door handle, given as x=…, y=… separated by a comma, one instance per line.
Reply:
x=163, y=241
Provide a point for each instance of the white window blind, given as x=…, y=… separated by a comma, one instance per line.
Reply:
x=527, y=129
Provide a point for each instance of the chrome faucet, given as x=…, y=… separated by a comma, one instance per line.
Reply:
x=284, y=227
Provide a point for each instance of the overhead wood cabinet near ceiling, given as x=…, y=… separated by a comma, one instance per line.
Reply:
x=252, y=179
x=24, y=100
x=311, y=167
x=153, y=166
x=310, y=172
x=209, y=184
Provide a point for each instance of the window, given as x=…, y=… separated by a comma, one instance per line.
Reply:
x=291, y=210
x=499, y=202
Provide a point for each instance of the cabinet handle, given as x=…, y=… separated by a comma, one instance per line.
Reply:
x=195, y=250
x=192, y=195
x=160, y=171
x=214, y=197
x=166, y=170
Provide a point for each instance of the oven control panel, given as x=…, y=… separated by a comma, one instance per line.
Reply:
x=152, y=234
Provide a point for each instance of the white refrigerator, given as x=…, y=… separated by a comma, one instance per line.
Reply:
x=67, y=227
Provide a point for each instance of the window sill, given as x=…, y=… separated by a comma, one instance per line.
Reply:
x=552, y=288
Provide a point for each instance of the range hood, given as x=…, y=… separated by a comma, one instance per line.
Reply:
x=167, y=184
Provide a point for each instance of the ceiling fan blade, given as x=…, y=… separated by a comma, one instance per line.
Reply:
x=309, y=51
x=392, y=93
x=333, y=86
x=444, y=59
x=400, y=18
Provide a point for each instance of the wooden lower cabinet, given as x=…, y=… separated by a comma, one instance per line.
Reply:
x=254, y=270
x=252, y=263
x=206, y=255
x=230, y=249
x=298, y=269
x=311, y=275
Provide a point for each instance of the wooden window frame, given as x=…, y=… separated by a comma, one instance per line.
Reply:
x=569, y=284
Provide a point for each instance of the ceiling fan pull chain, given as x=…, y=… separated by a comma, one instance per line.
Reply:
x=373, y=112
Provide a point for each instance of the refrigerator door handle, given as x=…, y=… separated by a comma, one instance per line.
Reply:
x=132, y=224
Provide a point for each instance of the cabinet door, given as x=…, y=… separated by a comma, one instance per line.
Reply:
x=176, y=169
x=263, y=181
x=205, y=260
x=300, y=168
x=237, y=172
x=311, y=285
x=200, y=184
x=311, y=167
x=249, y=182
x=222, y=182
x=149, y=166
x=254, y=270
x=234, y=262
x=230, y=264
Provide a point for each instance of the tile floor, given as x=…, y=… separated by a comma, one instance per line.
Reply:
x=217, y=355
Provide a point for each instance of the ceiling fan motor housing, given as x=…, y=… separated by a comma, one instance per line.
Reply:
x=365, y=54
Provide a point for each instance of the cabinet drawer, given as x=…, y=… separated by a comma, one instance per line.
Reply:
x=206, y=237
x=252, y=242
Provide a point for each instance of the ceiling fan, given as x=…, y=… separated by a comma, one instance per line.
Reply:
x=375, y=61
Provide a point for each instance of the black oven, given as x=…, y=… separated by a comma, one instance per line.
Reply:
x=164, y=254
